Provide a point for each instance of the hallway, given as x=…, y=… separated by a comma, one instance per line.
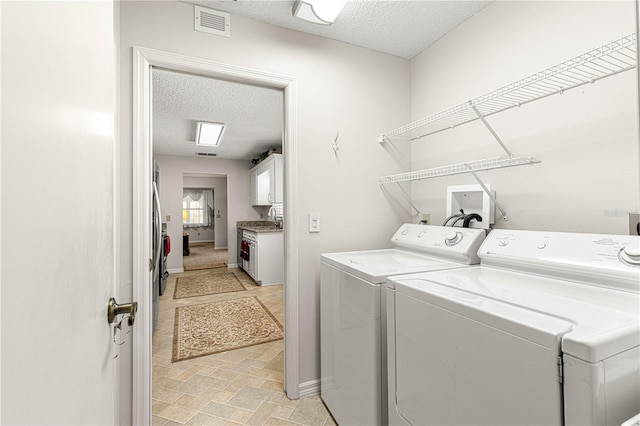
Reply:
x=241, y=386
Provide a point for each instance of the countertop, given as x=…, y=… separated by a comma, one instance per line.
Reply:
x=258, y=226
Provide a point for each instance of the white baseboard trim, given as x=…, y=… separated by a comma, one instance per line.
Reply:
x=175, y=270
x=200, y=241
x=221, y=248
x=233, y=265
x=310, y=388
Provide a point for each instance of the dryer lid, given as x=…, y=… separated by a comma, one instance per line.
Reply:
x=611, y=261
x=601, y=322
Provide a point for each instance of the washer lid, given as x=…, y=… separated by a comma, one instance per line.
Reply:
x=603, y=321
x=376, y=265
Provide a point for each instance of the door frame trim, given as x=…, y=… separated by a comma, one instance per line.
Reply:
x=143, y=60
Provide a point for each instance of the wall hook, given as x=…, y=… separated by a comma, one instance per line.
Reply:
x=335, y=145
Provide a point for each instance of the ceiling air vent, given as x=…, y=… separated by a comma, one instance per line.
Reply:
x=206, y=154
x=212, y=21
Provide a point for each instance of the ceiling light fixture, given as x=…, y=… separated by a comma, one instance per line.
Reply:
x=209, y=134
x=322, y=12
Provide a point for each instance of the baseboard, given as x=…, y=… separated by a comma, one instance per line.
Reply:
x=310, y=388
x=196, y=242
x=233, y=265
x=175, y=270
x=221, y=248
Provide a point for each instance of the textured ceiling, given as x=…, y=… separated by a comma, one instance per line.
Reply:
x=253, y=115
x=398, y=27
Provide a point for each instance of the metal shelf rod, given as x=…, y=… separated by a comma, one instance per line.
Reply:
x=605, y=61
x=460, y=168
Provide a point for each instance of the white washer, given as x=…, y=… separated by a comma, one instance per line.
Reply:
x=352, y=309
x=545, y=331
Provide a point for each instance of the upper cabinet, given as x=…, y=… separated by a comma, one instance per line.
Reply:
x=267, y=181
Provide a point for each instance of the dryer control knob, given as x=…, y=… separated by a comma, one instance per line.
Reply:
x=420, y=234
x=630, y=255
x=503, y=242
x=405, y=232
x=452, y=238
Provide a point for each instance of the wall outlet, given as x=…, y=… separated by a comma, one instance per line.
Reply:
x=168, y=218
x=425, y=219
x=634, y=220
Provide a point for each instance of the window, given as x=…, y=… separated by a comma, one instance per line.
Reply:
x=197, y=208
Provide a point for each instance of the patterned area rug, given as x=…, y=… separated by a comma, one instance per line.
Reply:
x=205, y=266
x=203, y=285
x=210, y=328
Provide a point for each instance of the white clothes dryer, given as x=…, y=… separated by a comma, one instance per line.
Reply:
x=546, y=331
x=352, y=313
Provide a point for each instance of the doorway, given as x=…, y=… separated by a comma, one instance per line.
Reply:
x=144, y=60
x=204, y=221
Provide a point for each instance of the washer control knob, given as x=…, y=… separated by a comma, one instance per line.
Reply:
x=452, y=238
x=420, y=234
x=541, y=246
x=630, y=255
x=503, y=242
x=405, y=232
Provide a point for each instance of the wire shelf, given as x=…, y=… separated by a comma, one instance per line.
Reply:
x=610, y=59
x=455, y=169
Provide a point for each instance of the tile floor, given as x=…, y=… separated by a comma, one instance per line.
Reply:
x=238, y=387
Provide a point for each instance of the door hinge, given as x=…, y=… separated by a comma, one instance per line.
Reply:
x=150, y=264
x=560, y=370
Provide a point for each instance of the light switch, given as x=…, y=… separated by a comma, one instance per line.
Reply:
x=314, y=222
x=168, y=218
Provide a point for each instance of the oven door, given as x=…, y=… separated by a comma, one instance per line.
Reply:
x=253, y=260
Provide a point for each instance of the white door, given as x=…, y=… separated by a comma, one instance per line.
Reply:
x=57, y=221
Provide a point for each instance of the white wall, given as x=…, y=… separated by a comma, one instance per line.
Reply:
x=338, y=87
x=172, y=170
x=218, y=232
x=587, y=139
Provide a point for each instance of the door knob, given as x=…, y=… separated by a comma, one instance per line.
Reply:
x=113, y=309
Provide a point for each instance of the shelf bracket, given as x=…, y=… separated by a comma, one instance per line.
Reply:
x=491, y=197
x=405, y=196
x=493, y=133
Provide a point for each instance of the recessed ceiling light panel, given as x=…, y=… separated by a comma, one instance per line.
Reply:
x=322, y=12
x=209, y=134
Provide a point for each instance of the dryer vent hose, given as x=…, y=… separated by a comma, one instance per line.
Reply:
x=468, y=218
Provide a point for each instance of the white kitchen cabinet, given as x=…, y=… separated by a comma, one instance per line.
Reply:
x=254, y=184
x=267, y=181
x=266, y=257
